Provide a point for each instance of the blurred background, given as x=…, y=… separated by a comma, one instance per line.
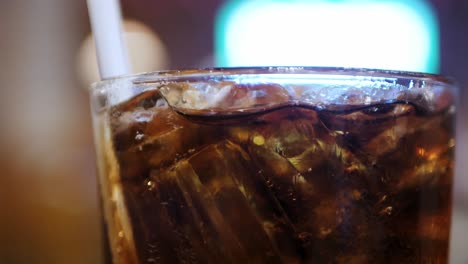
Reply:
x=48, y=194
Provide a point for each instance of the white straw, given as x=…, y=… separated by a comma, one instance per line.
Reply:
x=106, y=23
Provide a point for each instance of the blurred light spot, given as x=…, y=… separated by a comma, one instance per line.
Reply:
x=421, y=152
x=258, y=140
x=386, y=34
x=146, y=51
x=451, y=143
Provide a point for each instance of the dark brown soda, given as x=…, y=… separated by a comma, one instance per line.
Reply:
x=287, y=184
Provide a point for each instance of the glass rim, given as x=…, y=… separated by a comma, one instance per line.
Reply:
x=225, y=72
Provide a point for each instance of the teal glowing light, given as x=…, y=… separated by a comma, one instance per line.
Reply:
x=383, y=34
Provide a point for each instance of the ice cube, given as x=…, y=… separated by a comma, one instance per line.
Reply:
x=421, y=155
x=334, y=157
x=159, y=142
x=296, y=195
x=358, y=92
x=390, y=139
x=175, y=221
x=436, y=170
x=247, y=207
x=210, y=222
x=128, y=127
x=197, y=95
x=258, y=95
x=430, y=152
x=344, y=220
x=129, y=120
x=288, y=131
x=213, y=197
x=223, y=96
x=369, y=131
x=155, y=151
x=155, y=236
x=196, y=237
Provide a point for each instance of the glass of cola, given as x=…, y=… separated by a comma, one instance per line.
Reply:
x=276, y=165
